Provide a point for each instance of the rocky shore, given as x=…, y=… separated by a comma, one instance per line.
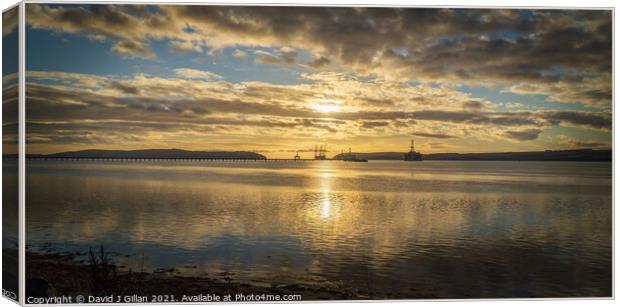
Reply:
x=56, y=274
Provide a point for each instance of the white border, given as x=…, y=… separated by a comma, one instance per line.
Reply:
x=22, y=153
x=485, y=4
x=10, y=7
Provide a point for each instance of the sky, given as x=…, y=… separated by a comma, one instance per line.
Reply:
x=10, y=65
x=278, y=80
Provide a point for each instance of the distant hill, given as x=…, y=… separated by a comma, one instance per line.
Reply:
x=155, y=154
x=548, y=155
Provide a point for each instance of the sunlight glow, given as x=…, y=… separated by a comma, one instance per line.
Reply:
x=326, y=108
x=326, y=206
x=326, y=105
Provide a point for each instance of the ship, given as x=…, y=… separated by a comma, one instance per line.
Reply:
x=351, y=157
x=413, y=155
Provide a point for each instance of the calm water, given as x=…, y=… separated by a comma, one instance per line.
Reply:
x=435, y=228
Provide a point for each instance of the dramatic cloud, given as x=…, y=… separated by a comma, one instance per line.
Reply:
x=598, y=120
x=564, y=54
x=374, y=77
x=154, y=110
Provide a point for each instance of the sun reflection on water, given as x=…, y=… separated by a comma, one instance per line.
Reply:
x=325, y=207
x=331, y=220
x=325, y=200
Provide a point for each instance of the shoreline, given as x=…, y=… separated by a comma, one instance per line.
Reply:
x=61, y=274
x=565, y=155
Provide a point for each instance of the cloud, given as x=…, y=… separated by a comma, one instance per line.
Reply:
x=10, y=19
x=123, y=88
x=566, y=141
x=594, y=120
x=563, y=54
x=133, y=49
x=319, y=62
x=377, y=101
x=85, y=80
x=196, y=74
x=148, y=110
x=284, y=56
x=130, y=27
x=474, y=104
x=10, y=104
x=433, y=135
x=186, y=46
x=524, y=135
x=239, y=54
x=374, y=124
x=594, y=91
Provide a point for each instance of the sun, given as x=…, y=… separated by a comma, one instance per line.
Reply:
x=327, y=105
x=327, y=108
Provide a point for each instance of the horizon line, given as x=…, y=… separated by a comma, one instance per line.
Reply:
x=310, y=151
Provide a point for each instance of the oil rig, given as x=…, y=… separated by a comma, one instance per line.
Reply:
x=319, y=153
x=351, y=157
x=413, y=155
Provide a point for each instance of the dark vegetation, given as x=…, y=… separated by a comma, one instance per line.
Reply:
x=55, y=274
